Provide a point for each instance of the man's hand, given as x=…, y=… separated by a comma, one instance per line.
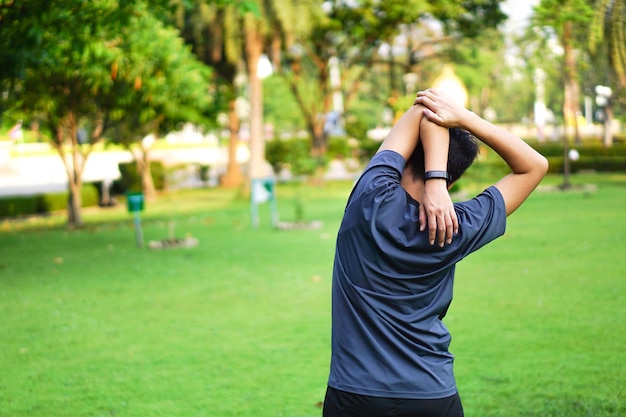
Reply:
x=436, y=208
x=440, y=108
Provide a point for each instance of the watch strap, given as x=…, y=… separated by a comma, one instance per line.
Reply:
x=429, y=175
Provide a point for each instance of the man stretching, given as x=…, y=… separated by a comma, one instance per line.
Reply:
x=393, y=279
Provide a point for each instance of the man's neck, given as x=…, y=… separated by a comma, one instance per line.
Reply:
x=414, y=188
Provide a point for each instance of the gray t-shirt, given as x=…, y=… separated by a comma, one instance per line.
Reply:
x=391, y=288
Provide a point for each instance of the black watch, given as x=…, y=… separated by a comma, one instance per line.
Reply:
x=444, y=175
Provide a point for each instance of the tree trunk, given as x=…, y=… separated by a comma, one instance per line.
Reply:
x=145, y=173
x=572, y=90
x=566, y=164
x=75, y=202
x=233, y=176
x=147, y=183
x=73, y=168
x=254, y=47
x=319, y=137
x=314, y=117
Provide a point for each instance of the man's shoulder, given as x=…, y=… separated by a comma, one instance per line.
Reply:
x=490, y=196
x=387, y=157
x=383, y=169
x=481, y=219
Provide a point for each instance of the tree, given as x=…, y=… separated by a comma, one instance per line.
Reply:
x=81, y=83
x=569, y=20
x=353, y=33
x=213, y=31
x=157, y=83
x=609, y=24
x=481, y=64
x=608, y=38
x=62, y=85
x=225, y=35
x=19, y=47
x=347, y=36
x=275, y=22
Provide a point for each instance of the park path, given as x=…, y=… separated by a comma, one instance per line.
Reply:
x=24, y=174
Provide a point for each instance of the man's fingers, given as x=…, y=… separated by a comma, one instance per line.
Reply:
x=449, y=229
x=442, y=231
x=432, y=228
x=455, y=226
x=432, y=116
x=441, y=226
x=438, y=228
x=422, y=218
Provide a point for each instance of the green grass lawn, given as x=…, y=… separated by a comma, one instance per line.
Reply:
x=240, y=324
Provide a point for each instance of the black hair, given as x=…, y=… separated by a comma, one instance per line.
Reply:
x=461, y=154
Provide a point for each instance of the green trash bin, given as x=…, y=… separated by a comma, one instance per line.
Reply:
x=134, y=201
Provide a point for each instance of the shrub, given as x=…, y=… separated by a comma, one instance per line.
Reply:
x=593, y=156
x=39, y=204
x=294, y=152
x=338, y=147
x=368, y=148
x=16, y=206
x=131, y=181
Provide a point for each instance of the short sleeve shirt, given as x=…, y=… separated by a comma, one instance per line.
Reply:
x=391, y=288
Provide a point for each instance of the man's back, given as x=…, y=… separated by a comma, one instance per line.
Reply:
x=391, y=287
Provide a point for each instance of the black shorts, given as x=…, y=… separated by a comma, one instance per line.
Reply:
x=345, y=404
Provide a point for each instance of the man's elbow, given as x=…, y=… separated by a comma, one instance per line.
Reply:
x=539, y=169
x=543, y=165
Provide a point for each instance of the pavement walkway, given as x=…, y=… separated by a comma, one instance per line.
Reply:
x=23, y=174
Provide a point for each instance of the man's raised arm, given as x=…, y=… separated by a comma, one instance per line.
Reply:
x=436, y=210
x=527, y=165
x=404, y=135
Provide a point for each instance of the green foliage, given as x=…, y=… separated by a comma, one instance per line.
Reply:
x=295, y=153
x=589, y=148
x=368, y=148
x=338, y=147
x=131, y=180
x=357, y=127
x=488, y=166
x=279, y=106
x=104, y=66
x=590, y=162
x=156, y=81
x=607, y=28
x=353, y=34
x=555, y=13
x=19, y=206
x=46, y=203
x=593, y=156
x=469, y=18
x=55, y=202
x=480, y=63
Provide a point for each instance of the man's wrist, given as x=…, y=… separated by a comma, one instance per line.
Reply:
x=468, y=119
x=436, y=175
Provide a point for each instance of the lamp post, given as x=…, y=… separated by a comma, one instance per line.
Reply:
x=540, y=104
x=603, y=100
x=261, y=185
x=257, y=141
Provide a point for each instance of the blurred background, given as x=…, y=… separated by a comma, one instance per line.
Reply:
x=140, y=140
x=103, y=98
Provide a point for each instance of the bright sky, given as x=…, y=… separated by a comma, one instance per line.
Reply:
x=519, y=13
